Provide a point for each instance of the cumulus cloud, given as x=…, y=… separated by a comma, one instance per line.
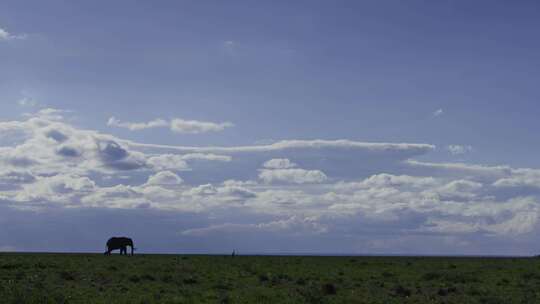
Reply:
x=458, y=190
x=164, y=178
x=520, y=178
x=283, y=170
x=388, y=180
x=176, y=125
x=47, y=144
x=64, y=189
x=50, y=163
x=168, y=162
x=114, y=156
x=297, y=176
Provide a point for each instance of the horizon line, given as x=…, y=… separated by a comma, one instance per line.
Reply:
x=285, y=254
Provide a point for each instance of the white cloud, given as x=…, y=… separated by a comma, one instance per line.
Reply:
x=176, y=125
x=47, y=161
x=523, y=219
x=520, y=223
x=463, y=168
x=282, y=170
x=520, y=178
x=13, y=177
x=135, y=126
x=65, y=189
x=5, y=35
x=168, y=162
x=195, y=126
x=297, y=176
x=165, y=178
x=209, y=156
x=179, y=162
x=279, y=163
x=318, y=144
x=459, y=149
x=118, y=196
x=50, y=114
x=458, y=190
x=388, y=180
x=46, y=144
x=203, y=190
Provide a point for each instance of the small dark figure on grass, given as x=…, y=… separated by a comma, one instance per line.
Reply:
x=121, y=243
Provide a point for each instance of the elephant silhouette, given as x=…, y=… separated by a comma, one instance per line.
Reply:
x=121, y=243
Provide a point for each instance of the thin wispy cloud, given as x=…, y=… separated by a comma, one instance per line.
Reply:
x=176, y=125
x=403, y=150
x=438, y=113
x=136, y=126
x=195, y=126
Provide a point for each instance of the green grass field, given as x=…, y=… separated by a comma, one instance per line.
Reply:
x=87, y=278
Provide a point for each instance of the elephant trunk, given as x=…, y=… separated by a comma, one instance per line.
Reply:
x=132, y=246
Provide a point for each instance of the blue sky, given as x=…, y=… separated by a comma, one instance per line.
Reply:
x=351, y=127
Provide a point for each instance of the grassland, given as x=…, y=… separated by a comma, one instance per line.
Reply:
x=87, y=278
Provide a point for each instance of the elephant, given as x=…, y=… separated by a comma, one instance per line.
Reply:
x=121, y=243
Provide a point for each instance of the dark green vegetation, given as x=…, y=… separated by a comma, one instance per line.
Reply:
x=85, y=278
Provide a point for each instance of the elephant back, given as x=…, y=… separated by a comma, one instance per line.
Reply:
x=119, y=241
